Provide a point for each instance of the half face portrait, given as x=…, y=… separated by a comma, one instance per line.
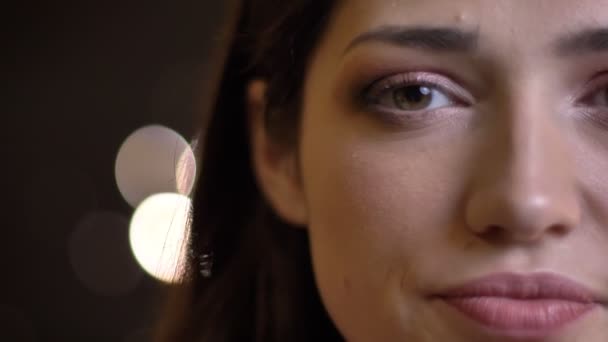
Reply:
x=443, y=165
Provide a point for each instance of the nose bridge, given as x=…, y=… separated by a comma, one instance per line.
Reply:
x=535, y=157
x=526, y=186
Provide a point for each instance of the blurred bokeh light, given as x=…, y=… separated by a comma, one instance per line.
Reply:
x=154, y=159
x=81, y=78
x=100, y=254
x=157, y=234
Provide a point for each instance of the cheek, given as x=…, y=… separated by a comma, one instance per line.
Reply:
x=357, y=195
x=375, y=210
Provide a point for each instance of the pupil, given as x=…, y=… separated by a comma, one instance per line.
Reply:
x=413, y=97
x=415, y=93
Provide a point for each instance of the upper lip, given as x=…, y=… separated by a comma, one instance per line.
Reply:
x=524, y=287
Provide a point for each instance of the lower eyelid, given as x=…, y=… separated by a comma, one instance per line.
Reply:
x=416, y=119
x=597, y=117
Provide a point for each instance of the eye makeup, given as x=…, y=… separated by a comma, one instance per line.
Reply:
x=442, y=97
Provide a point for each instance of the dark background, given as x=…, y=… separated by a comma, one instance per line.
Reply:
x=80, y=77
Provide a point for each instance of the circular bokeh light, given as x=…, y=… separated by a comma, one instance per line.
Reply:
x=154, y=159
x=100, y=254
x=158, y=234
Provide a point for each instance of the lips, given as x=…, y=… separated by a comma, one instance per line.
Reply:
x=535, y=304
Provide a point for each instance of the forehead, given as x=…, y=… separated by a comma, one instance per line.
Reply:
x=496, y=19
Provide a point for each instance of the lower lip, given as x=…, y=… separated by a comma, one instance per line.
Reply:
x=521, y=317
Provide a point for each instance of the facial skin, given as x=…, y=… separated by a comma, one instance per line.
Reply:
x=503, y=169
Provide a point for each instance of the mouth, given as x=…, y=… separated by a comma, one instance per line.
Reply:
x=514, y=305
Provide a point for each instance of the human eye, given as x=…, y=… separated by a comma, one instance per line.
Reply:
x=415, y=96
x=597, y=96
x=593, y=103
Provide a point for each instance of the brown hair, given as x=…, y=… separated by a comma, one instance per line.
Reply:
x=262, y=286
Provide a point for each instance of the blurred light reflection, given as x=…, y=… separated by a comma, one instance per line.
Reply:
x=154, y=159
x=100, y=254
x=158, y=231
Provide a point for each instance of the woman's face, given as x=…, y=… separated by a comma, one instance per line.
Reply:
x=454, y=165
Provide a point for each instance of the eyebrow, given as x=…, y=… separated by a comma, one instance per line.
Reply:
x=586, y=41
x=439, y=39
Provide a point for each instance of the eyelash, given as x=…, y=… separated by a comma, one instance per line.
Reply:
x=597, y=114
x=597, y=84
x=459, y=98
x=374, y=94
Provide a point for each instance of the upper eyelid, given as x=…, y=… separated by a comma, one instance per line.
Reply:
x=597, y=82
x=430, y=79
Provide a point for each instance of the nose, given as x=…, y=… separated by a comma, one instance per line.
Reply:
x=524, y=189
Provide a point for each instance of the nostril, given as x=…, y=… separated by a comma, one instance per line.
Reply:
x=493, y=234
x=521, y=214
x=497, y=234
x=559, y=229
